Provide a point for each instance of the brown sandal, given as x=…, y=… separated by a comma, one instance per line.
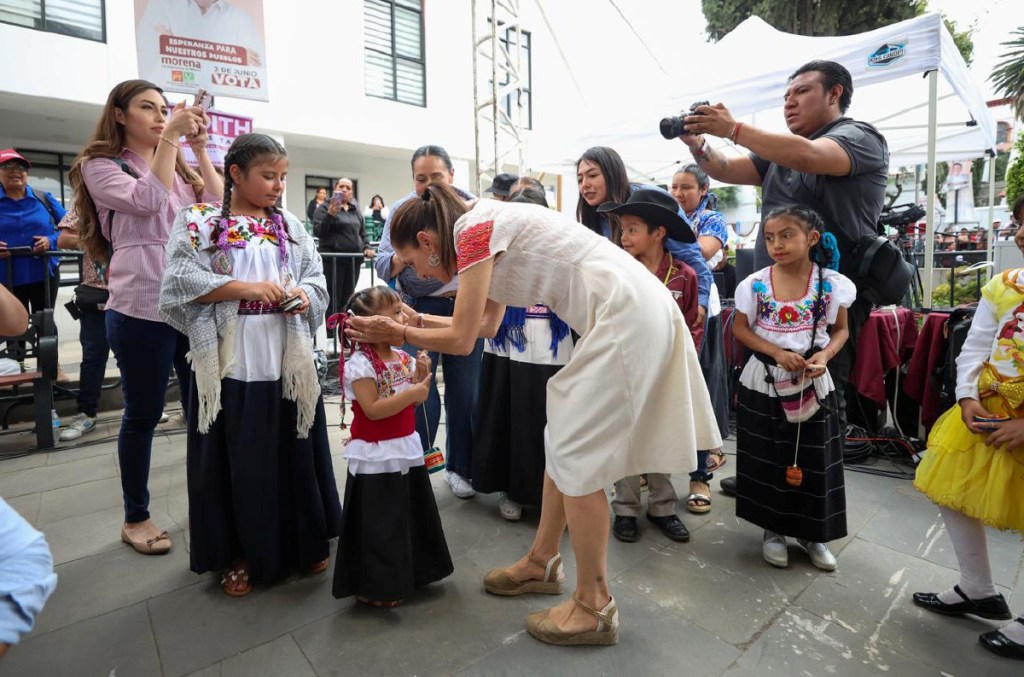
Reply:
x=606, y=634
x=229, y=581
x=320, y=566
x=716, y=459
x=500, y=582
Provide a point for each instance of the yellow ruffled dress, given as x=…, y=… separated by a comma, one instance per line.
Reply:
x=960, y=470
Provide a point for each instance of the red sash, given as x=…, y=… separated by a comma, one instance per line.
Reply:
x=401, y=424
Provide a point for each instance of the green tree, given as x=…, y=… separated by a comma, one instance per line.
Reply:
x=1015, y=174
x=809, y=17
x=728, y=196
x=1008, y=77
x=825, y=17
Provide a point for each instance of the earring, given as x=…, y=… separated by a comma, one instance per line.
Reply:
x=433, y=260
x=833, y=101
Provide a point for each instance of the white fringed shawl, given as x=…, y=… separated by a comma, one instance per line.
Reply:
x=211, y=326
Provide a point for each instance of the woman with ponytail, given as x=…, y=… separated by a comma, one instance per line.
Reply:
x=129, y=183
x=612, y=411
x=244, y=281
x=789, y=444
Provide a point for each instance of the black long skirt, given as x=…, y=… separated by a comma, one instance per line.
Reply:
x=255, y=491
x=816, y=510
x=508, y=442
x=391, y=537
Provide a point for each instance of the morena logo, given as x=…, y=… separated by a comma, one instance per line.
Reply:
x=888, y=53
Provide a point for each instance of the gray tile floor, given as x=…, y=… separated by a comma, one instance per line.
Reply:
x=709, y=607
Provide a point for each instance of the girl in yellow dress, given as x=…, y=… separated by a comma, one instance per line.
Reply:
x=974, y=468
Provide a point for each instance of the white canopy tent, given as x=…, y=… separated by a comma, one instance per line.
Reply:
x=909, y=80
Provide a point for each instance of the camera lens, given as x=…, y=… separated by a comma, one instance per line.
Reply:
x=671, y=127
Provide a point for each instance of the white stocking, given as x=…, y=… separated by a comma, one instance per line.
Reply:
x=1014, y=631
x=969, y=543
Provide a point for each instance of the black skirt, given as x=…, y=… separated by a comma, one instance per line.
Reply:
x=391, y=537
x=765, y=443
x=713, y=366
x=508, y=442
x=255, y=491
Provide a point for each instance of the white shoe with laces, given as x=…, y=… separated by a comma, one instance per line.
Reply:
x=80, y=425
x=509, y=509
x=460, y=486
x=774, y=550
x=821, y=556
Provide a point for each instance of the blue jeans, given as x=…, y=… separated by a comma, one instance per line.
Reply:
x=95, y=350
x=145, y=351
x=461, y=385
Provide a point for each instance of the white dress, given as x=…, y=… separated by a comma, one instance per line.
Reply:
x=395, y=455
x=632, y=398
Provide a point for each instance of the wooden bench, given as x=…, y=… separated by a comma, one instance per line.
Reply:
x=38, y=343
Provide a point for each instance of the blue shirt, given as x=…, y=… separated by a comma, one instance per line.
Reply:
x=20, y=221
x=412, y=284
x=26, y=574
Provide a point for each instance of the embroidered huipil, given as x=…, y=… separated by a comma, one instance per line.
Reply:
x=994, y=349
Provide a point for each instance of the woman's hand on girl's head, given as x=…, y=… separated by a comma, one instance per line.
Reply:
x=1009, y=434
x=969, y=408
x=790, y=361
x=376, y=329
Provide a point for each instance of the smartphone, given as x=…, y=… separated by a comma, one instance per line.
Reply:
x=202, y=99
x=336, y=199
x=20, y=251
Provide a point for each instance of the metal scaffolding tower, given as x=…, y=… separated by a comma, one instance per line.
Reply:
x=498, y=81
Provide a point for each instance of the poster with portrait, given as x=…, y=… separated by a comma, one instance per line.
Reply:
x=218, y=45
x=959, y=191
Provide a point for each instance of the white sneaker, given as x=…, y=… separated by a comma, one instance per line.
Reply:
x=774, y=550
x=821, y=556
x=164, y=417
x=509, y=509
x=80, y=425
x=460, y=486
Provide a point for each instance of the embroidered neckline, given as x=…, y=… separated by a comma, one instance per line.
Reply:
x=807, y=289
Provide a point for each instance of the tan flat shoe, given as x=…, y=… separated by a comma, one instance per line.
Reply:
x=540, y=626
x=500, y=582
x=160, y=545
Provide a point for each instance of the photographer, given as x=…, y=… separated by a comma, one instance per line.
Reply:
x=339, y=225
x=831, y=163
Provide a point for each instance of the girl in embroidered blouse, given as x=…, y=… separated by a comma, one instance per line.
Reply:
x=244, y=281
x=391, y=537
x=789, y=454
x=974, y=468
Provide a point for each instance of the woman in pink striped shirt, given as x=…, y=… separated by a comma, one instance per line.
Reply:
x=129, y=182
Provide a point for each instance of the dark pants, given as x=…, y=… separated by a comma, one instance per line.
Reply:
x=95, y=350
x=145, y=351
x=461, y=385
x=839, y=367
x=342, y=273
x=33, y=296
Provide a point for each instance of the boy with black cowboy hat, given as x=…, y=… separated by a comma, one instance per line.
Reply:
x=647, y=218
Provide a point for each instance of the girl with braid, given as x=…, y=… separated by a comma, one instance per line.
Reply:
x=244, y=281
x=391, y=537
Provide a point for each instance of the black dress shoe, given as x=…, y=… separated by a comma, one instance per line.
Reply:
x=728, y=485
x=625, y=529
x=993, y=608
x=672, y=527
x=1001, y=645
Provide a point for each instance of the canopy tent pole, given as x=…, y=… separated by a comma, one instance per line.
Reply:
x=991, y=210
x=929, y=244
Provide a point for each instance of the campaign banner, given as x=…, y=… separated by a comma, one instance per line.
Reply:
x=959, y=190
x=223, y=130
x=218, y=45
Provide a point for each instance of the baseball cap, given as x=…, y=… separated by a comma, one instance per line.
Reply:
x=10, y=154
x=502, y=184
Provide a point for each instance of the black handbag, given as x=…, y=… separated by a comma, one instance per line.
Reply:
x=90, y=298
x=879, y=270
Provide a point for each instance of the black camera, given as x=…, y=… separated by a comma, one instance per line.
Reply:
x=673, y=127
